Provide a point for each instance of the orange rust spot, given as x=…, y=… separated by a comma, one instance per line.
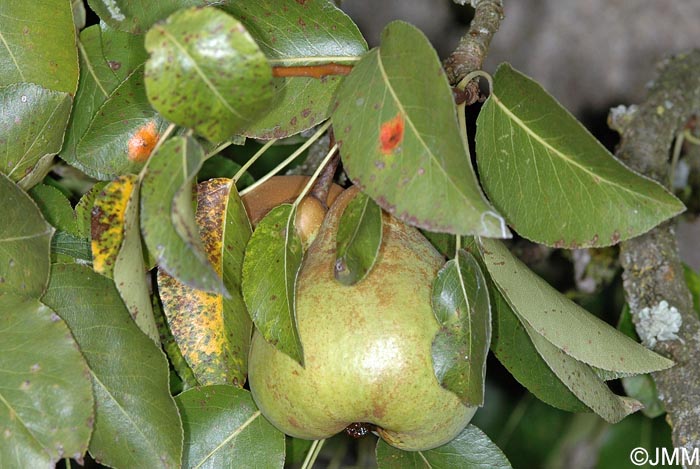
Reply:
x=391, y=134
x=143, y=141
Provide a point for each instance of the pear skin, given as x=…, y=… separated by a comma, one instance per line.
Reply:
x=367, y=347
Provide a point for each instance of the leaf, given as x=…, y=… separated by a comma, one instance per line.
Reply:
x=113, y=127
x=224, y=428
x=554, y=182
x=471, y=449
x=514, y=349
x=583, y=381
x=46, y=403
x=167, y=218
x=642, y=387
x=107, y=225
x=25, y=240
x=32, y=123
x=37, y=44
x=692, y=279
x=130, y=275
x=219, y=166
x=55, y=207
x=400, y=140
x=206, y=72
x=272, y=260
x=136, y=16
x=309, y=32
x=636, y=431
x=83, y=209
x=38, y=173
x=358, y=239
x=75, y=247
x=214, y=333
x=460, y=302
x=562, y=322
x=129, y=373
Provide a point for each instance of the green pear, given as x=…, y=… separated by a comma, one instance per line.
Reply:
x=367, y=347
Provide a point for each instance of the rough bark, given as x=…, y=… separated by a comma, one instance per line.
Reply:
x=652, y=267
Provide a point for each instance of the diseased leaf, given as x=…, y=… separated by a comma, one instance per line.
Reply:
x=562, y=322
x=310, y=32
x=553, y=181
x=107, y=225
x=460, y=302
x=136, y=16
x=358, y=239
x=272, y=260
x=400, y=140
x=206, y=72
x=113, y=128
x=55, y=208
x=129, y=272
x=129, y=373
x=471, y=449
x=37, y=44
x=25, y=240
x=583, y=381
x=32, y=123
x=514, y=349
x=224, y=428
x=83, y=210
x=46, y=403
x=167, y=218
x=212, y=332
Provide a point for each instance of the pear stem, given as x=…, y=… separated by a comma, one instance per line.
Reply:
x=321, y=130
x=313, y=454
x=313, y=178
x=253, y=159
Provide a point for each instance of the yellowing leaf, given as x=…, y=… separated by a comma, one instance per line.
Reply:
x=107, y=226
x=213, y=332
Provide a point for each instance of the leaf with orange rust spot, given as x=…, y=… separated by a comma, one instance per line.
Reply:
x=400, y=140
x=107, y=225
x=213, y=332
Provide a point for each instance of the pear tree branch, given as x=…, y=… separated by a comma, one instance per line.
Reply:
x=652, y=267
x=473, y=46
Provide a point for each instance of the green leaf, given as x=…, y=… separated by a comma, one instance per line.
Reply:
x=636, y=431
x=310, y=32
x=129, y=373
x=272, y=260
x=554, y=182
x=219, y=166
x=562, y=322
x=37, y=44
x=167, y=218
x=206, y=72
x=514, y=349
x=358, y=239
x=129, y=273
x=136, y=16
x=471, y=449
x=32, y=124
x=224, y=428
x=55, y=207
x=25, y=241
x=642, y=387
x=46, y=403
x=460, y=302
x=583, y=381
x=401, y=142
x=75, y=247
x=113, y=127
x=692, y=279
x=214, y=333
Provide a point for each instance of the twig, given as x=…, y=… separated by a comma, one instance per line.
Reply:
x=473, y=46
x=652, y=267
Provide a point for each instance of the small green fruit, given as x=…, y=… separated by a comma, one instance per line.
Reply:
x=367, y=347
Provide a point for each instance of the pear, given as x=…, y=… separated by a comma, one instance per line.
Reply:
x=367, y=347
